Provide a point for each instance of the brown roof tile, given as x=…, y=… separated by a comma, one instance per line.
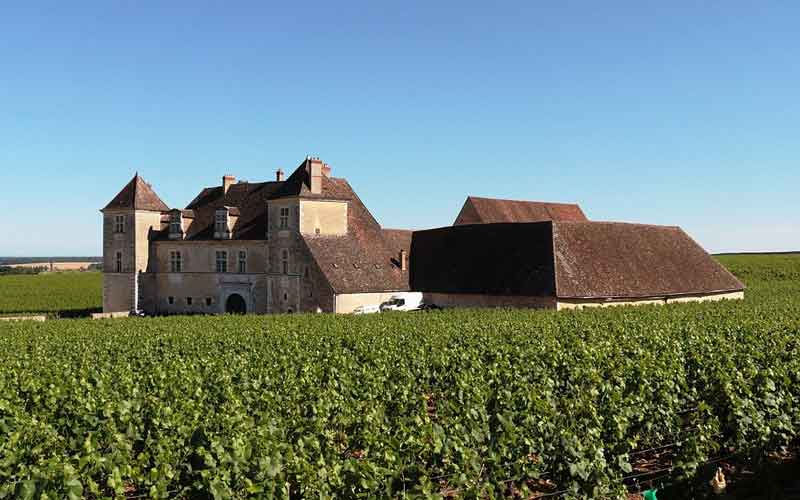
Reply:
x=620, y=260
x=366, y=260
x=597, y=260
x=137, y=195
x=490, y=210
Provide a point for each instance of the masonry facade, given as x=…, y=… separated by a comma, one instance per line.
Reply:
x=304, y=243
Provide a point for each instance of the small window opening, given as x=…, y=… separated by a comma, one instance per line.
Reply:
x=188, y=301
x=208, y=301
x=284, y=219
x=242, y=261
x=119, y=224
x=171, y=300
x=118, y=262
x=222, y=261
x=175, y=261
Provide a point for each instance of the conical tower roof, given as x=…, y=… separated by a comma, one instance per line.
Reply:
x=137, y=195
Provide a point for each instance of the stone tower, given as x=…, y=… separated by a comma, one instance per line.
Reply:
x=127, y=222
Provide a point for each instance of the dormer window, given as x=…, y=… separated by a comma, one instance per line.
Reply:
x=119, y=224
x=176, y=225
x=221, y=224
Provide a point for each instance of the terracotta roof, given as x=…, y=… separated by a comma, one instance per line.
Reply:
x=366, y=259
x=137, y=195
x=597, y=260
x=245, y=200
x=620, y=260
x=248, y=201
x=489, y=210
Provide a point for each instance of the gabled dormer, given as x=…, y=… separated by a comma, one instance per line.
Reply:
x=176, y=224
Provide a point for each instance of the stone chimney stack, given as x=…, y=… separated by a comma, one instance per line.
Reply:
x=314, y=168
x=279, y=175
x=227, y=181
x=403, y=260
x=326, y=170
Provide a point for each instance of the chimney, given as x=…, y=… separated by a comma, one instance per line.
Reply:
x=227, y=181
x=403, y=260
x=314, y=169
x=279, y=175
x=326, y=170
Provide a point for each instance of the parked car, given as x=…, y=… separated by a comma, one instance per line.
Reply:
x=407, y=301
x=370, y=309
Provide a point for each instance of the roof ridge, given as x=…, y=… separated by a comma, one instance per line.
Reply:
x=618, y=223
x=570, y=203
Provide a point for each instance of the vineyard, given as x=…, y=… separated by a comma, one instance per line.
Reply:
x=66, y=293
x=459, y=404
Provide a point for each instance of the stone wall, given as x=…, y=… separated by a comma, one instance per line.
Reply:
x=468, y=300
x=581, y=303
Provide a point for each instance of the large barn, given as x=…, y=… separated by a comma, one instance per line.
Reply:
x=523, y=258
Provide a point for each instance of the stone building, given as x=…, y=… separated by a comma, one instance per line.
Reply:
x=297, y=244
x=307, y=243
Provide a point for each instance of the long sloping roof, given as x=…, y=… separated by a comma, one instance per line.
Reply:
x=620, y=260
x=591, y=260
x=137, y=195
x=478, y=210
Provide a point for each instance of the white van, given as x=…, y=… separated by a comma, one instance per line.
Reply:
x=406, y=301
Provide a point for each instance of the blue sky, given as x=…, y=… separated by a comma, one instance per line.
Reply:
x=682, y=113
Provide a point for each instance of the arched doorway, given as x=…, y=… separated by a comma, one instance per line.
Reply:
x=235, y=304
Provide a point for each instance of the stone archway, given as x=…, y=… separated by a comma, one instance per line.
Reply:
x=235, y=304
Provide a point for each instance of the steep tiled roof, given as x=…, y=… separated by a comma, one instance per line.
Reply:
x=245, y=200
x=366, y=259
x=592, y=260
x=489, y=210
x=619, y=260
x=137, y=195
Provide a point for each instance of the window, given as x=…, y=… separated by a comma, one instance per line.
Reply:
x=285, y=261
x=118, y=262
x=175, y=262
x=222, y=261
x=171, y=300
x=305, y=272
x=284, y=217
x=119, y=223
x=242, y=261
x=221, y=221
x=174, y=226
x=188, y=301
x=208, y=301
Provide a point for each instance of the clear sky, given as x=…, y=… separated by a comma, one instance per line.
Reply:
x=684, y=113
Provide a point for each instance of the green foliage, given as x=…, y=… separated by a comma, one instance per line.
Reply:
x=63, y=292
x=415, y=404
